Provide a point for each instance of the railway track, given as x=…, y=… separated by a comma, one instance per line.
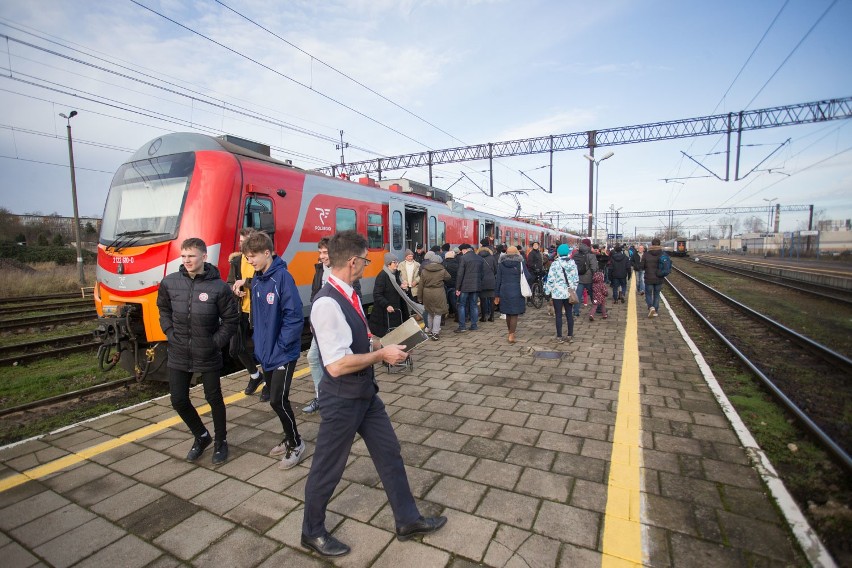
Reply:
x=33, y=299
x=813, y=382
x=828, y=292
x=47, y=305
x=64, y=317
x=57, y=346
x=64, y=398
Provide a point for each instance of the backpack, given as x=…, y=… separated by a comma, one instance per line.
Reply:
x=582, y=263
x=664, y=266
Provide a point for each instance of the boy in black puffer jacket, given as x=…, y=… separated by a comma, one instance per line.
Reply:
x=199, y=315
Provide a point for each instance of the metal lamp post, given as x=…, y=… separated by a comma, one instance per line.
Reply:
x=597, y=164
x=81, y=276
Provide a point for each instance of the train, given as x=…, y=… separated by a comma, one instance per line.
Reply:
x=676, y=247
x=183, y=185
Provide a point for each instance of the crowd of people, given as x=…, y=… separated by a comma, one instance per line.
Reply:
x=259, y=313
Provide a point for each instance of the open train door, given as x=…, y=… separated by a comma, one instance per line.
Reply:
x=396, y=226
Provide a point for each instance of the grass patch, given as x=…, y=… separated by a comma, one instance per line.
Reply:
x=15, y=430
x=51, y=377
x=43, y=278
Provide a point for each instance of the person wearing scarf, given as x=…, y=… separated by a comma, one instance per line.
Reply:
x=391, y=305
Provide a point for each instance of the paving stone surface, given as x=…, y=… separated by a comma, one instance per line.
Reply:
x=514, y=449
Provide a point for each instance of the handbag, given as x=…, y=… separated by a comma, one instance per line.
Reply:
x=572, y=294
x=526, y=292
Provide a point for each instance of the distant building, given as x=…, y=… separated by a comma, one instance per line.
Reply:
x=62, y=225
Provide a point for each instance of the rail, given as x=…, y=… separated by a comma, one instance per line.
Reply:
x=807, y=422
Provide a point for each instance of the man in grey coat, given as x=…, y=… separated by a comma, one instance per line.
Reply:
x=583, y=256
x=468, y=286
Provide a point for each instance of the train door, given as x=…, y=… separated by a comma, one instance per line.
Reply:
x=487, y=228
x=415, y=227
x=396, y=220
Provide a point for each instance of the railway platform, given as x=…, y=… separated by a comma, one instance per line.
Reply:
x=613, y=450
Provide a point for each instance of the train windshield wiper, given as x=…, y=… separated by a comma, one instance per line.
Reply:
x=126, y=238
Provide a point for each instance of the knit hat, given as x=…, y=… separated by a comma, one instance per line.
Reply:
x=450, y=254
x=408, y=252
x=563, y=250
x=485, y=242
x=512, y=250
x=432, y=257
x=390, y=257
x=587, y=242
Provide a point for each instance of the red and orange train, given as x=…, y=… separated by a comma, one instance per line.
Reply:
x=191, y=185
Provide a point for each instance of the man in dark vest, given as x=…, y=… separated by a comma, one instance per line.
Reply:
x=349, y=403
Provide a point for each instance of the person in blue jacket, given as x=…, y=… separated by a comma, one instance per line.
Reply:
x=276, y=311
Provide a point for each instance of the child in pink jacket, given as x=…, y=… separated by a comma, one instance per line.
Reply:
x=599, y=294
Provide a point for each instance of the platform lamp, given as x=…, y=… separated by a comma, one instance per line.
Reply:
x=80, y=274
x=597, y=164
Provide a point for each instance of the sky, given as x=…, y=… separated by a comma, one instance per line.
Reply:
x=399, y=77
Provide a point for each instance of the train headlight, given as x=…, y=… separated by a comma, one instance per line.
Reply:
x=110, y=309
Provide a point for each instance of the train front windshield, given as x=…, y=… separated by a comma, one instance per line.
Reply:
x=145, y=201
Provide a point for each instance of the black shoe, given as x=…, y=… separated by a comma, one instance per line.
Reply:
x=251, y=388
x=264, y=394
x=325, y=545
x=423, y=525
x=198, y=447
x=220, y=452
x=491, y=318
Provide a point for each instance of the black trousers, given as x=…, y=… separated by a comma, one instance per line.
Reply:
x=179, y=390
x=279, y=399
x=342, y=418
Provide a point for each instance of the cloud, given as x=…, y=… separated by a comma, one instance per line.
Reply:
x=563, y=122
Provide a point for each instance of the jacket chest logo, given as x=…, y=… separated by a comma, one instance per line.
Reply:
x=270, y=298
x=203, y=296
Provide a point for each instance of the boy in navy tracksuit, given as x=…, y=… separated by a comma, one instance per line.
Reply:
x=276, y=311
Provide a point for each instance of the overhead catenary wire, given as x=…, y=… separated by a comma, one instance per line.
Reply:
x=284, y=75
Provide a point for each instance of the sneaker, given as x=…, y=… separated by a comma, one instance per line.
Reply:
x=280, y=449
x=654, y=313
x=264, y=394
x=220, y=452
x=651, y=312
x=198, y=447
x=434, y=337
x=253, y=383
x=570, y=339
x=312, y=406
x=502, y=316
x=474, y=328
x=605, y=316
x=591, y=317
x=292, y=456
x=459, y=330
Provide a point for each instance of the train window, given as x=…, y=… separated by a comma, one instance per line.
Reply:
x=259, y=215
x=497, y=235
x=375, y=230
x=442, y=233
x=433, y=231
x=396, y=230
x=346, y=220
x=146, y=200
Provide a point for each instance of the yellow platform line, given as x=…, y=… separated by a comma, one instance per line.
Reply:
x=74, y=458
x=622, y=536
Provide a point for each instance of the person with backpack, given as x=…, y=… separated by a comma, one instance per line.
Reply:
x=653, y=279
x=587, y=265
x=619, y=266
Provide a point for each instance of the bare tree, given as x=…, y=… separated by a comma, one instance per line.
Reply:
x=753, y=224
x=729, y=225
